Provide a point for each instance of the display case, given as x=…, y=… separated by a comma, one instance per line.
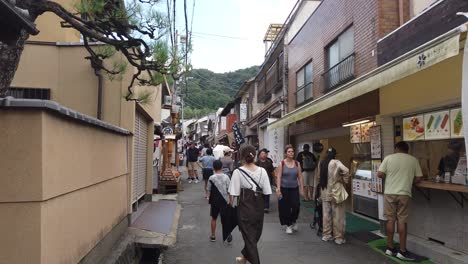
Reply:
x=364, y=199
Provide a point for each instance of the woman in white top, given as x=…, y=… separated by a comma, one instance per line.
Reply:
x=248, y=184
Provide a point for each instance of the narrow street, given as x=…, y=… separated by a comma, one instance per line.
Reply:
x=193, y=245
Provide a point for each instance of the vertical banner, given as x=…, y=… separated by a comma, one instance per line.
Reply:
x=243, y=113
x=275, y=143
x=465, y=92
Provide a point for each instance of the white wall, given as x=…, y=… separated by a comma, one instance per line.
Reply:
x=305, y=10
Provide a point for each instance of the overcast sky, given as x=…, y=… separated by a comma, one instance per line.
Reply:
x=242, y=22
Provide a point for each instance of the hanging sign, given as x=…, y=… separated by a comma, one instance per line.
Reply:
x=376, y=142
x=238, y=134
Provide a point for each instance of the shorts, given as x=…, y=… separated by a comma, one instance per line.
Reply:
x=207, y=173
x=214, y=212
x=192, y=165
x=308, y=177
x=396, y=207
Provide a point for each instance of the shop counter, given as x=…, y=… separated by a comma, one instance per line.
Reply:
x=452, y=189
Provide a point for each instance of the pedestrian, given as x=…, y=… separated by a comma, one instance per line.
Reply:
x=206, y=146
x=248, y=185
x=399, y=170
x=333, y=176
x=289, y=189
x=308, y=162
x=219, y=198
x=192, y=159
x=207, y=167
x=265, y=162
x=228, y=162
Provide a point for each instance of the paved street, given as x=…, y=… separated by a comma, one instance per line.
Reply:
x=193, y=245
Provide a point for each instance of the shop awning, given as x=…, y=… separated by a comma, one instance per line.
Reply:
x=423, y=57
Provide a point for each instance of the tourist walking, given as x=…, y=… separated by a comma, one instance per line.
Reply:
x=218, y=185
x=289, y=186
x=207, y=167
x=192, y=159
x=248, y=185
x=333, y=177
x=308, y=162
x=399, y=171
x=265, y=162
x=228, y=162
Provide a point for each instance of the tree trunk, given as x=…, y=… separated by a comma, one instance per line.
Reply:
x=10, y=55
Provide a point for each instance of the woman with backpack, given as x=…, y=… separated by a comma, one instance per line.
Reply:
x=289, y=186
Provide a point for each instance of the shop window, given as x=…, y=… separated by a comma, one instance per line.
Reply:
x=438, y=156
x=340, y=60
x=304, y=84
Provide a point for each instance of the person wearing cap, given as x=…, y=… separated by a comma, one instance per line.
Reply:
x=228, y=163
x=308, y=163
x=265, y=162
x=332, y=172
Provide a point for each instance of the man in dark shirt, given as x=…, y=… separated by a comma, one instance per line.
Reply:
x=308, y=163
x=192, y=158
x=266, y=163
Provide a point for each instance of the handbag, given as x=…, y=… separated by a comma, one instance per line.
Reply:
x=339, y=193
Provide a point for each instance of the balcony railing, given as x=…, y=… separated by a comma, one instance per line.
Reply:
x=340, y=73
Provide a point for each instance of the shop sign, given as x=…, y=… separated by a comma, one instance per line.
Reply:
x=437, y=125
x=456, y=123
x=434, y=125
x=363, y=188
x=376, y=182
x=238, y=134
x=376, y=142
x=413, y=128
x=275, y=144
x=360, y=133
x=243, y=112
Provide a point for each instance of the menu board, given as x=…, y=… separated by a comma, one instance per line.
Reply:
x=365, y=134
x=377, y=183
x=375, y=142
x=363, y=188
x=437, y=125
x=355, y=134
x=456, y=123
x=460, y=176
x=413, y=128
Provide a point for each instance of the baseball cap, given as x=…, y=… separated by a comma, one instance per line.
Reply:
x=264, y=150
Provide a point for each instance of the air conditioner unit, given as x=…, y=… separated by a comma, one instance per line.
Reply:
x=167, y=100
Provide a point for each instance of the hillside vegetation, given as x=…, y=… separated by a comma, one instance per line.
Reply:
x=207, y=91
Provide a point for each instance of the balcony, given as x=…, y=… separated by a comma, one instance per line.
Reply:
x=340, y=73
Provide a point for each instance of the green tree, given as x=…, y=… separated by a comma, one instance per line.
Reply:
x=136, y=28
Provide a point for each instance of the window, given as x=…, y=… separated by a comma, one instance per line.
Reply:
x=340, y=59
x=304, y=84
x=29, y=93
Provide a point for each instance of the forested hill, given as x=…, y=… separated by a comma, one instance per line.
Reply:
x=206, y=91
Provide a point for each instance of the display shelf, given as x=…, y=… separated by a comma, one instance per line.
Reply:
x=451, y=189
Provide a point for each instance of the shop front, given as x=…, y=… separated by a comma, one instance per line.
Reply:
x=346, y=128
x=426, y=112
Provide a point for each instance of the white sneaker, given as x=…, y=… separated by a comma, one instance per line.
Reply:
x=196, y=181
x=289, y=230
x=190, y=181
x=340, y=241
x=326, y=239
x=295, y=227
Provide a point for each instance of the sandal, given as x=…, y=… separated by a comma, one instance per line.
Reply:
x=241, y=260
x=212, y=239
